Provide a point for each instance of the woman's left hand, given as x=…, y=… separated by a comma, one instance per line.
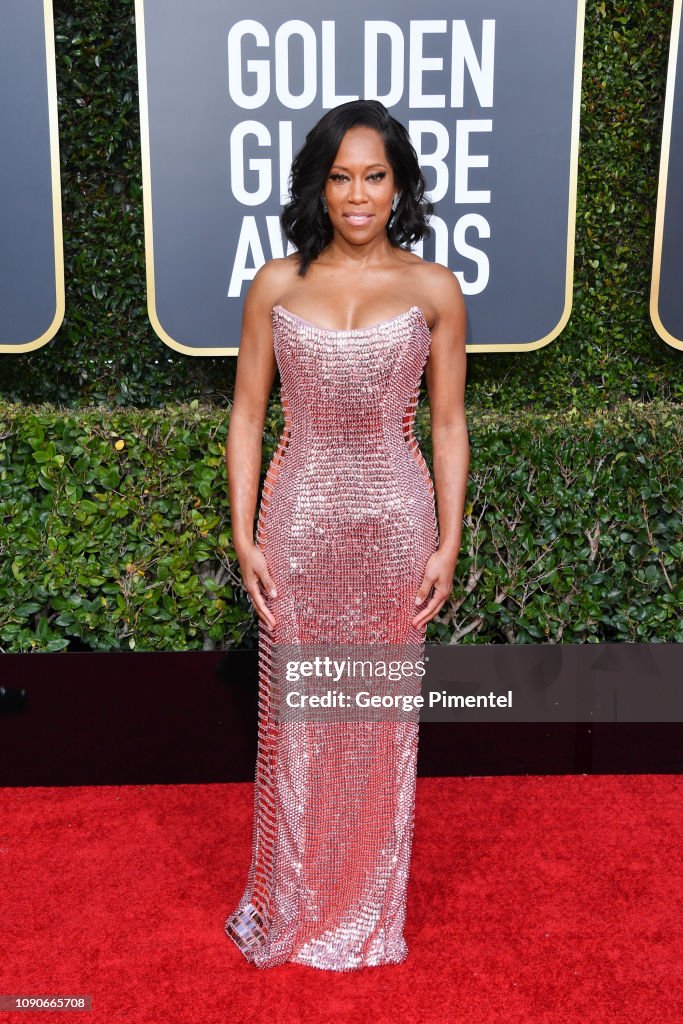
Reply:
x=439, y=573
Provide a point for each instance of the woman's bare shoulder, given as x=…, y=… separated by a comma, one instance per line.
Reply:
x=273, y=278
x=437, y=286
x=435, y=276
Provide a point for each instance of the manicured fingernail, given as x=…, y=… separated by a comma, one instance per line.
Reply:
x=273, y=592
x=418, y=599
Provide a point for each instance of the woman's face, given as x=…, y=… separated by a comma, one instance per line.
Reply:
x=360, y=186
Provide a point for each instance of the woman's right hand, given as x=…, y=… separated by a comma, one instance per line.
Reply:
x=255, y=574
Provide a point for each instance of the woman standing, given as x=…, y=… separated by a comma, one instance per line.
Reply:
x=347, y=546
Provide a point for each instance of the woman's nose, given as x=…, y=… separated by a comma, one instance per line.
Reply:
x=357, y=190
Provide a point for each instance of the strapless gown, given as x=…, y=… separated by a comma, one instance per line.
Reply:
x=347, y=522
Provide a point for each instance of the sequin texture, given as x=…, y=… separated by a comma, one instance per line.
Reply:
x=347, y=522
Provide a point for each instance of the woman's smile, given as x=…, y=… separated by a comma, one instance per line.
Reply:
x=358, y=218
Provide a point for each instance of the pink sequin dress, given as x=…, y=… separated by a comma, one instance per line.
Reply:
x=347, y=523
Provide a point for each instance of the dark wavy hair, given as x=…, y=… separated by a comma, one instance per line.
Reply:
x=303, y=221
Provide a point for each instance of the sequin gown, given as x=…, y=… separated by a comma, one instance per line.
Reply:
x=347, y=523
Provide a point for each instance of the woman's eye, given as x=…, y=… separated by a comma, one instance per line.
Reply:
x=377, y=176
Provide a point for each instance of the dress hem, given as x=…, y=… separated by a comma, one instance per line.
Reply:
x=249, y=955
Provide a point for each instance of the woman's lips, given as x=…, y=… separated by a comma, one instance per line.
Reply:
x=358, y=218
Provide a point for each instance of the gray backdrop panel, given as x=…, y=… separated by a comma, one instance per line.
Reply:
x=670, y=280
x=28, y=276
x=197, y=219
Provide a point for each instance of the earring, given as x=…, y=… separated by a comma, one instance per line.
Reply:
x=324, y=202
x=394, y=204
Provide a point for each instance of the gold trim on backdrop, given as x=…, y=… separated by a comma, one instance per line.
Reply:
x=571, y=212
x=53, y=123
x=147, y=203
x=233, y=351
x=663, y=181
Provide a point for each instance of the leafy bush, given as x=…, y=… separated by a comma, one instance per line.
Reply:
x=115, y=530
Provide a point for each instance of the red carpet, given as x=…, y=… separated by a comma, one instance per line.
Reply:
x=533, y=900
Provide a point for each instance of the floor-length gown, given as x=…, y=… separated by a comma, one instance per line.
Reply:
x=347, y=523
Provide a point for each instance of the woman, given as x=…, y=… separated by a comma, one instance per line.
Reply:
x=347, y=548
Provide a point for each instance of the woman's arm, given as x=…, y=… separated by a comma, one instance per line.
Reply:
x=254, y=378
x=445, y=374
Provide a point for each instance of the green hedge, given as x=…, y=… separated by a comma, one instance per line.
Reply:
x=115, y=530
x=106, y=351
